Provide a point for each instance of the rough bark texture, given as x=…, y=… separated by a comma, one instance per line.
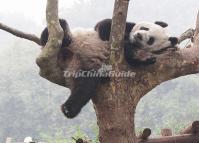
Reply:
x=115, y=112
x=47, y=60
x=117, y=30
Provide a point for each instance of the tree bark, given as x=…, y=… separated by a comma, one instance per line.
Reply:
x=115, y=105
x=115, y=114
x=117, y=31
x=47, y=60
x=20, y=34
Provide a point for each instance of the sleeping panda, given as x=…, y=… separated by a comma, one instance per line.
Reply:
x=142, y=41
x=82, y=88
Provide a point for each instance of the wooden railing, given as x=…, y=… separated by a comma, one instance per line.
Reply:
x=188, y=135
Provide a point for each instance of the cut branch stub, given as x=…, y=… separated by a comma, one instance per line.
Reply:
x=145, y=134
x=191, y=129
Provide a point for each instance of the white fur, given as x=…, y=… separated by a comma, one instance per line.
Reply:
x=159, y=33
x=87, y=39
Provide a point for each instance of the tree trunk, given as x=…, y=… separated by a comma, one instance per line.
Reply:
x=116, y=101
x=116, y=125
x=115, y=114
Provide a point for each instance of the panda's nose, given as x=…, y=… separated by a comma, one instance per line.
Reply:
x=139, y=36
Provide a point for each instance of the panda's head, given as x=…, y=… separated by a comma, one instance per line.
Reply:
x=152, y=36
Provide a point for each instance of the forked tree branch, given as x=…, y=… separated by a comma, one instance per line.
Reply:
x=20, y=34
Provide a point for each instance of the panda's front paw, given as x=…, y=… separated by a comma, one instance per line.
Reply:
x=70, y=110
x=145, y=57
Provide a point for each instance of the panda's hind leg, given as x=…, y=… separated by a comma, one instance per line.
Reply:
x=84, y=89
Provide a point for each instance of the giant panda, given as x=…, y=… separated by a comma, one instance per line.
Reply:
x=82, y=88
x=142, y=41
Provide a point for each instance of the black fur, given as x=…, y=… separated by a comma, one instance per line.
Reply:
x=84, y=89
x=134, y=57
x=133, y=52
x=104, y=28
x=162, y=24
x=173, y=40
x=67, y=38
x=65, y=42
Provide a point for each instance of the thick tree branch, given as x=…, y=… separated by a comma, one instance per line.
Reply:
x=47, y=60
x=20, y=34
x=186, y=35
x=169, y=66
x=183, y=62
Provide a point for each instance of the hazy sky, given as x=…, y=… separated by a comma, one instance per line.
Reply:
x=30, y=8
x=174, y=12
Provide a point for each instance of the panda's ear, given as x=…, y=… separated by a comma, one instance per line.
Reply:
x=161, y=23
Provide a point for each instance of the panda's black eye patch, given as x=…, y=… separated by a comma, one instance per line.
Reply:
x=144, y=28
x=151, y=41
